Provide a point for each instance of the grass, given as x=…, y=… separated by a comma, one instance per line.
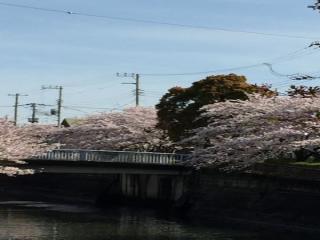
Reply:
x=307, y=164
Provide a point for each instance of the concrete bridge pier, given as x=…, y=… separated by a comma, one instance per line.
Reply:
x=153, y=187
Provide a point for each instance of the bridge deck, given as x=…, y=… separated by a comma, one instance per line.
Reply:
x=114, y=157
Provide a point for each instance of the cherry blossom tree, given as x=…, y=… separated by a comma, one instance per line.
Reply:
x=18, y=143
x=242, y=133
x=131, y=129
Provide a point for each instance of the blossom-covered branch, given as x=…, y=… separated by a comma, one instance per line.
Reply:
x=241, y=133
x=132, y=129
x=18, y=143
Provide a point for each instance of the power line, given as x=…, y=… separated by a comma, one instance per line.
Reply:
x=124, y=105
x=282, y=85
x=78, y=108
x=75, y=109
x=306, y=51
x=295, y=76
x=286, y=57
x=154, y=92
x=147, y=21
x=86, y=91
x=38, y=104
x=87, y=107
x=203, y=72
x=77, y=84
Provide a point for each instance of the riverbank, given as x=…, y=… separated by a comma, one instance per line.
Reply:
x=271, y=196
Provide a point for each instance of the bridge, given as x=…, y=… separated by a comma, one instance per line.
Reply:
x=104, y=161
x=114, y=156
x=133, y=175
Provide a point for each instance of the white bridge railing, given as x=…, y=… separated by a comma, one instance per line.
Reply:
x=114, y=156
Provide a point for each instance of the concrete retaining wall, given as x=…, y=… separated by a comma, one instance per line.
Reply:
x=268, y=199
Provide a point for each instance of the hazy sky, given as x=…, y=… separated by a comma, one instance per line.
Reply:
x=83, y=54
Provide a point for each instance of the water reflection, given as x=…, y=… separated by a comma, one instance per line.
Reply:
x=41, y=221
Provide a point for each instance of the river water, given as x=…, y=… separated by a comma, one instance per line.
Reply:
x=43, y=221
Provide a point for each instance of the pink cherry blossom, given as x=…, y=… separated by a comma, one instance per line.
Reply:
x=242, y=133
x=131, y=129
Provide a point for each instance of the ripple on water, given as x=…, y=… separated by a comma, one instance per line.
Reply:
x=45, y=221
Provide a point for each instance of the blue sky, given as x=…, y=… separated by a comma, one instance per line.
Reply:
x=83, y=54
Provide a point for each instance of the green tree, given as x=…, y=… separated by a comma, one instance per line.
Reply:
x=179, y=109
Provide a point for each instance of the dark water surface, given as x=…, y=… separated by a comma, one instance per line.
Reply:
x=36, y=220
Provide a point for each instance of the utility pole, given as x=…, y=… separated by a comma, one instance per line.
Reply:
x=138, y=91
x=16, y=104
x=59, y=106
x=33, y=118
x=34, y=109
x=59, y=101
